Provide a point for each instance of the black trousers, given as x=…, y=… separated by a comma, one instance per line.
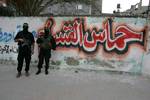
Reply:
x=24, y=53
x=44, y=54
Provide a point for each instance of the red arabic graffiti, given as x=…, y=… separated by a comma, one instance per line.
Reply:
x=73, y=33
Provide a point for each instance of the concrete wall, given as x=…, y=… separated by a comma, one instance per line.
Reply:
x=117, y=44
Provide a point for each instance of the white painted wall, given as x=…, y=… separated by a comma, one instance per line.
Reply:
x=135, y=60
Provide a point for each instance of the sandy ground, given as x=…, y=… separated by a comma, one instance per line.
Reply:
x=65, y=84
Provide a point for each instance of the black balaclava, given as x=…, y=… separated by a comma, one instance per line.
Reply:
x=25, y=27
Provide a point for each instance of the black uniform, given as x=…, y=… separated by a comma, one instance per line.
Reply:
x=46, y=43
x=24, y=49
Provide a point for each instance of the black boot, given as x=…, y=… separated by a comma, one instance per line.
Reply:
x=38, y=72
x=46, y=72
x=18, y=74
